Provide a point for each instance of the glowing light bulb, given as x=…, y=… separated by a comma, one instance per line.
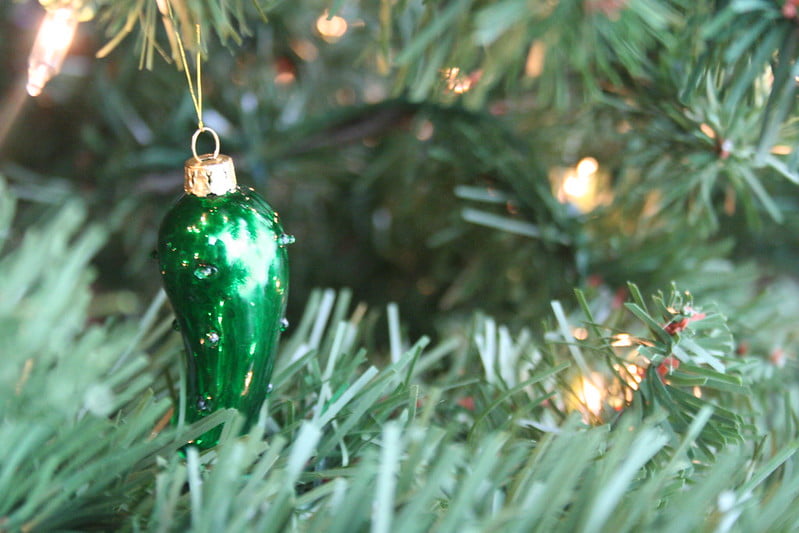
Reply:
x=580, y=333
x=781, y=149
x=634, y=375
x=331, y=28
x=622, y=339
x=587, y=166
x=579, y=185
x=50, y=48
x=590, y=394
x=707, y=130
x=534, y=65
x=458, y=82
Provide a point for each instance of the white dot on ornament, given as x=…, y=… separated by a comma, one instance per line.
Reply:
x=205, y=271
x=213, y=338
x=285, y=240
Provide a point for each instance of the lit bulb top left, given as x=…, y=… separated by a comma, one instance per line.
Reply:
x=50, y=48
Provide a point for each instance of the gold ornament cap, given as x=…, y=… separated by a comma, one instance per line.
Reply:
x=208, y=173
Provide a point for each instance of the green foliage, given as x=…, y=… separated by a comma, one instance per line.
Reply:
x=407, y=189
x=685, y=350
x=430, y=439
x=62, y=452
x=78, y=410
x=346, y=146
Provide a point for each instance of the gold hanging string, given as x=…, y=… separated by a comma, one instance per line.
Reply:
x=196, y=96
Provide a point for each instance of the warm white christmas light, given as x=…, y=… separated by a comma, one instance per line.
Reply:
x=331, y=28
x=456, y=81
x=579, y=185
x=591, y=394
x=707, y=130
x=622, y=340
x=580, y=333
x=534, y=65
x=587, y=166
x=781, y=149
x=51, y=47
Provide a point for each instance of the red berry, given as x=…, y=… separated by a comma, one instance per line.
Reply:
x=668, y=365
x=467, y=402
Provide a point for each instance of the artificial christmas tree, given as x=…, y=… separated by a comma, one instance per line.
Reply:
x=584, y=211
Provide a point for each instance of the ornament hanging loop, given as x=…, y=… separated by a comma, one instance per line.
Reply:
x=208, y=174
x=194, y=137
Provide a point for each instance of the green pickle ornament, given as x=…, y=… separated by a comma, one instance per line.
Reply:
x=223, y=259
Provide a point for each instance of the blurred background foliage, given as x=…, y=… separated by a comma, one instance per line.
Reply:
x=474, y=162
x=416, y=156
x=364, y=179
